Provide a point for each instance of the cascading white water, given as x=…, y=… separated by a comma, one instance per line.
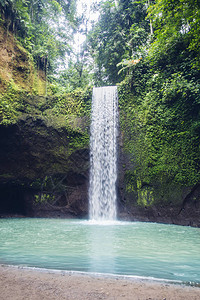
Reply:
x=103, y=154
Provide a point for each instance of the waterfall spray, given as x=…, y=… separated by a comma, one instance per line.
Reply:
x=103, y=154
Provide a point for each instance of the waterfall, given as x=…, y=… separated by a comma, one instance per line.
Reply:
x=103, y=154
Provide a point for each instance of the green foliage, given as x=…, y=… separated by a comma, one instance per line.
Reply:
x=44, y=198
x=70, y=110
x=159, y=104
x=159, y=97
x=43, y=28
x=78, y=141
x=176, y=20
x=162, y=128
x=10, y=104
x=120, y=33
x=75, y=77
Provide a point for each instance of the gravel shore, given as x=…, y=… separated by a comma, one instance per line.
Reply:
x=29, y=284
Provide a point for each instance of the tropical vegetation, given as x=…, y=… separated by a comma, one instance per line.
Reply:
x=150, y=49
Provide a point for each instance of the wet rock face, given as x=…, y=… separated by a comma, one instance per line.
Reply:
x=156, y=202
x=60, y=197
x=168, y=214
x=41, y=174
x=30, y=149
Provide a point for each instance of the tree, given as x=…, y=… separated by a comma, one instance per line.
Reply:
x=119, y=34
x=43, y=27
x=176, y=21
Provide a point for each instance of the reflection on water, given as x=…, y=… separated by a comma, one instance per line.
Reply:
x=102, y=250
x=135, y=249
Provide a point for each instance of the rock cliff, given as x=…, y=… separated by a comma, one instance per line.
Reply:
x=42, y=172
x=44, y=154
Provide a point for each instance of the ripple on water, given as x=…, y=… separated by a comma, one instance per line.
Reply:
x=136, y=249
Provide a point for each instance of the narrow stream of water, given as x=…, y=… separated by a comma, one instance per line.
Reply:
x=103, y=154
x=139, y=249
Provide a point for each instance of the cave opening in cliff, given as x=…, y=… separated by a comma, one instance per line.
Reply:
x=12, y=201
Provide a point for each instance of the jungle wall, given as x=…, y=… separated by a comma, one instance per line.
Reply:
x=44, y=153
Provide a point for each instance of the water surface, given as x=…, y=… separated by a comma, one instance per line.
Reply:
x=138, y=249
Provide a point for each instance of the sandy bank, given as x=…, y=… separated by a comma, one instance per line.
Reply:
x=23, y=284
